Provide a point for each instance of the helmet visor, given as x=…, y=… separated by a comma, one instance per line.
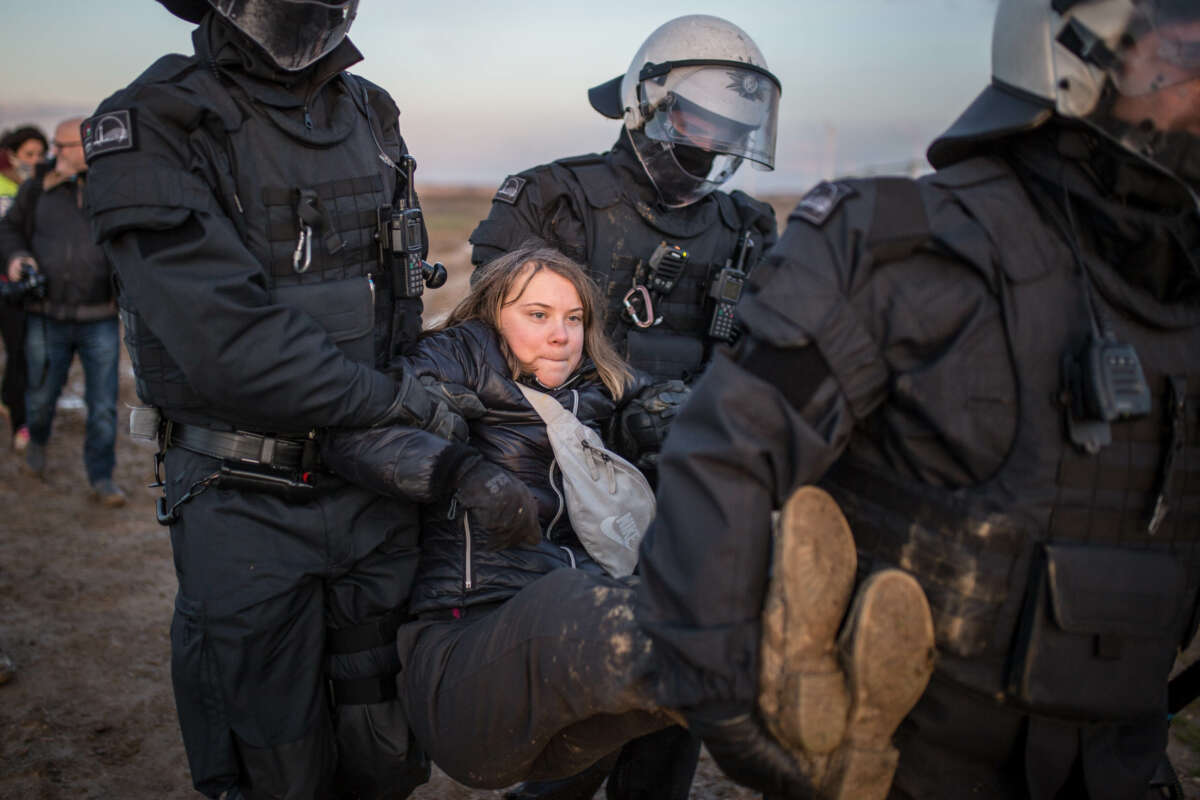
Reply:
x=718, y=109
x=1146, y=50
x=1159, y=48
x=294, y=33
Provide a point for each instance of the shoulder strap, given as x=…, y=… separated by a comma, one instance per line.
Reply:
x=546, y=406
x=904, y=227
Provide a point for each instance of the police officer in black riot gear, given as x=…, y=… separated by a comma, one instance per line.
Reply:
x=993, y=370
x=247, y=196
x=669, y=250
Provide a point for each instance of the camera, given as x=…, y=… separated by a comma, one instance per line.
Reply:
x=31, y=286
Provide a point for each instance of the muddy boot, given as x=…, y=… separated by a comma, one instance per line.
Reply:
x=887, y=651
x=802, y=690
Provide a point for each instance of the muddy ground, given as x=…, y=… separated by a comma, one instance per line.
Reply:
x=86, y=598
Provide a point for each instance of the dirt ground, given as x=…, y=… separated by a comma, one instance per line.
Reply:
x=86, y=598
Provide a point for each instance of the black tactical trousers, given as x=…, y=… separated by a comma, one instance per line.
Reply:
x=551, y=681
x=261, y=581
x=957, y=743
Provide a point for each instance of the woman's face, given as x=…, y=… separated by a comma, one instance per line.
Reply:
x=543, y=326
x=30, y=153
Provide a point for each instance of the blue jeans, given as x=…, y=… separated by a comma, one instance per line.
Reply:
x=49, y=347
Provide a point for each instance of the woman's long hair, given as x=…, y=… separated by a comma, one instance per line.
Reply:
x=495, y=281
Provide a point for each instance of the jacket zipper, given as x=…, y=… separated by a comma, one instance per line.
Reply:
x=561, y=501
x=451, y=514
x=467, y=581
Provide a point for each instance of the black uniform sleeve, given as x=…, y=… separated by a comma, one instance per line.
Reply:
x=183, y=266
x=901, y=358
x=541, y=209
x=408, y=462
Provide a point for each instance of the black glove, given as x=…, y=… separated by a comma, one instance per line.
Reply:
x=643, y=424
x=747, y=753
x=464, y=401
x=415, y=405
x=500, y=503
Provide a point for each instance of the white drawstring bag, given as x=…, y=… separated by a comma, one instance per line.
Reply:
x=609, y=501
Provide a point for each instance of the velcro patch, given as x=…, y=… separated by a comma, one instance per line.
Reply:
x=110, y=132
x=510, y=190
x=821, y=201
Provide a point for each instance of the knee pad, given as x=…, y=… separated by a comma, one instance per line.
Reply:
x=363, y=662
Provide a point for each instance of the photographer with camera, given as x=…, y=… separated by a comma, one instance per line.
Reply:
x=64, y=282
x=21, y=150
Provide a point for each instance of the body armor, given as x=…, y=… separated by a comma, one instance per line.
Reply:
x=622, y=235
x=314, y=232
x=1063, y=584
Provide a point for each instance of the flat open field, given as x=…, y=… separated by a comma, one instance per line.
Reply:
x=86, y=597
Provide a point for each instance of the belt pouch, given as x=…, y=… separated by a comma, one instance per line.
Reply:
x=344, y=308
x=1099, y=633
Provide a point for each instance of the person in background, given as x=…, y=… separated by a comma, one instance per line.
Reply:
x=669, y=249
x=21, y=150
x=47, y=234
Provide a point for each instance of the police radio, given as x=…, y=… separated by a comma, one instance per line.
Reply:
x=402, y=236
x=726, y=290
x=1104, y=384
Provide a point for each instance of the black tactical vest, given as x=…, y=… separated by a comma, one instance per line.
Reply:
x=622, y=235
x=306, y=202
x=1051, y=589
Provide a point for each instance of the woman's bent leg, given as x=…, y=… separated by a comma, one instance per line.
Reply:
x=551, y=681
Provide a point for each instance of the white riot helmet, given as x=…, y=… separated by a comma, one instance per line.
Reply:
x=697, y=100
x=1103, y=62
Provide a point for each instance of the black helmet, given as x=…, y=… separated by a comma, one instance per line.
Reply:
x=294, y=33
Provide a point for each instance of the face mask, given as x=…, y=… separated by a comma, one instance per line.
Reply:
x=24, y=171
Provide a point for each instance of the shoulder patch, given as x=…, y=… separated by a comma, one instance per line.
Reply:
x=821, y=201
x=510, y=190
x=110, y=132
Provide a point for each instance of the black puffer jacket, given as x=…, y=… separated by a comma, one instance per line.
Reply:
x=456, y=569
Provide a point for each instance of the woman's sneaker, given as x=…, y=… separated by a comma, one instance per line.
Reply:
x=20, y=439
x=887, y=650
x=802, y=689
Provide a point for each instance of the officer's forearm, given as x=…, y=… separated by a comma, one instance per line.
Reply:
x=258, y=363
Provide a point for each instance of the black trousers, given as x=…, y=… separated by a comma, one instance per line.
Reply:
x=551, y=681
x=261, y=581
x=957, y=743
x=12, y=390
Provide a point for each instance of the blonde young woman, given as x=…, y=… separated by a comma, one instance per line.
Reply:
x=524, y=661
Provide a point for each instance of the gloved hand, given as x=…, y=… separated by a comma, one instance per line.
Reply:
x=417, y=406
x=500, y=503
x=744, y=750
x=642, y=425
x=464, y=401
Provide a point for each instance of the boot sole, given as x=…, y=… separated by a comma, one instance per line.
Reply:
x=887, y=649
x=802, y=690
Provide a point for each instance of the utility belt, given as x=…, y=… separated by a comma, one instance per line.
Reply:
x=1066, y=630
x=284, y=466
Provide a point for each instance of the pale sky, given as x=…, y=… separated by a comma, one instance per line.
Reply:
x=489, y=88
